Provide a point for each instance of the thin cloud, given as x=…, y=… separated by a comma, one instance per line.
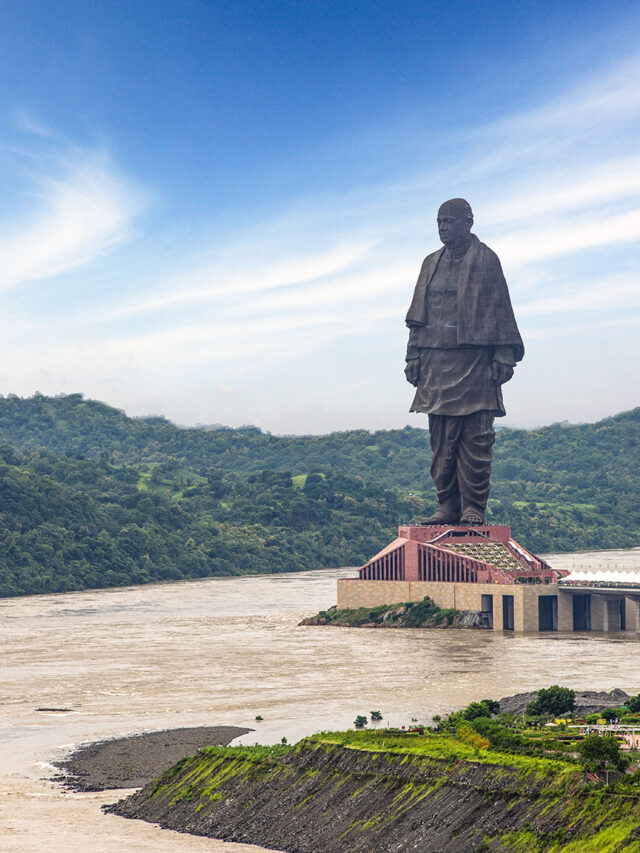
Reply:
x=214, y=282
x=571, y=190
x=562, y=238
x=608, y=294
x=83, y=210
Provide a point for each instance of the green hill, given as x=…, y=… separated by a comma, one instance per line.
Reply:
x=72, y=523
x=90, y=497
x=71, y=424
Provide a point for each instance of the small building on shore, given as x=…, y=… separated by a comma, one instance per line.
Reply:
x=485, y=570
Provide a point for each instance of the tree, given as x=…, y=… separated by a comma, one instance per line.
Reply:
x=611, y=714
x=476, y=710
x=633, y=704
x=602, y=754
x=554, y=700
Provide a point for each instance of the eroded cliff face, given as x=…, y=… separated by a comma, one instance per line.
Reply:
x=321, y=797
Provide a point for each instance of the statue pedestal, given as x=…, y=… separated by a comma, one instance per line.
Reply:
x=457, y=554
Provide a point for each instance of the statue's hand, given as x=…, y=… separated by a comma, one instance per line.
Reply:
x=500, y=372
x=412, y=371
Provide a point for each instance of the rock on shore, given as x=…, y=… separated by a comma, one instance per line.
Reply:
x=587, y=701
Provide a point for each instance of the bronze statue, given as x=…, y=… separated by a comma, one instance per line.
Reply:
x=463, y=346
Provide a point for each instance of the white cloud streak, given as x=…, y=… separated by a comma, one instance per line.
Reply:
x=80, y=213
x=215, y=282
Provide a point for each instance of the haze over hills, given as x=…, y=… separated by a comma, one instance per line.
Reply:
x=90, y=497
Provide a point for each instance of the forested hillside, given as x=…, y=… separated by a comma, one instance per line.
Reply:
x=69, y=523
x=90, y=497
x=71, y=424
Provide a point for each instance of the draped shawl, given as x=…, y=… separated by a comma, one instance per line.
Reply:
x=485, y=316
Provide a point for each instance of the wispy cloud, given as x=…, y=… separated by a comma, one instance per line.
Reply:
x=216, y=281
x=591, y=231
x=606, y=295
x=77, y=206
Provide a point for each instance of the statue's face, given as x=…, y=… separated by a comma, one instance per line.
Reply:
x=452, y=226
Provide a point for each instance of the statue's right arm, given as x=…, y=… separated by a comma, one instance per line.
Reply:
x=412, y=371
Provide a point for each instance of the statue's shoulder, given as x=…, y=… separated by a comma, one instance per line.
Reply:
x=486, y=250
x=489, y=259
x=432, y=259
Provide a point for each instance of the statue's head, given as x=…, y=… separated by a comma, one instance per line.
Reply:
x=455, y=220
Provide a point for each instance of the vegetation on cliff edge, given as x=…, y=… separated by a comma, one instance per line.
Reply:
x=504, y=784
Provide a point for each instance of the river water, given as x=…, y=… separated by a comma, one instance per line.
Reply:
x=221, y=651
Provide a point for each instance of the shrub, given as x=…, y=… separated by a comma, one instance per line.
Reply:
x=612, y=714
x=467, y=734
x=476, y=709
x=499, y=736
x=492, y=705
x=360, y=722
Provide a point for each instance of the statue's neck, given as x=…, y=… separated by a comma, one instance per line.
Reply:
x=459, y=248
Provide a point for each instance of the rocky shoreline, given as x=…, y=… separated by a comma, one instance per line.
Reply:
x=587, y=701
x=408, y=614
x=134, y=761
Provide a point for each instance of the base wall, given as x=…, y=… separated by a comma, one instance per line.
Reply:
x=604, y=610
x=354, y=593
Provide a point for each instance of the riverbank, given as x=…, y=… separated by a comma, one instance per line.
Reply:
x=504, y=782
x=135, y=760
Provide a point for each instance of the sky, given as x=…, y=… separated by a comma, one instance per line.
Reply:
x=217, y=211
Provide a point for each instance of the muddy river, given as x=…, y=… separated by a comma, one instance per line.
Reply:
x=220, y=652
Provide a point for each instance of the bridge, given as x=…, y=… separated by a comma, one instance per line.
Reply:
x=598, y=606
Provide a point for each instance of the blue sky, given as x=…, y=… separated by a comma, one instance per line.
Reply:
x=217, y=211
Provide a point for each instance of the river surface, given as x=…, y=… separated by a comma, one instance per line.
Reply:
x=221, y=651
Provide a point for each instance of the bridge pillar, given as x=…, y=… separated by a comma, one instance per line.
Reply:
x=597, y=612
x=632, y=607
x=611, y=620
x=565, y=611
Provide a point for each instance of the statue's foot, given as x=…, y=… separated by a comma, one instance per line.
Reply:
x=447, y=513
x=472, y=515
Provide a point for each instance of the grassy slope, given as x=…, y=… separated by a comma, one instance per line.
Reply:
x=372, y=790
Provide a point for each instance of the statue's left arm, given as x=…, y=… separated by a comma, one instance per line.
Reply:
x=503, y=364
